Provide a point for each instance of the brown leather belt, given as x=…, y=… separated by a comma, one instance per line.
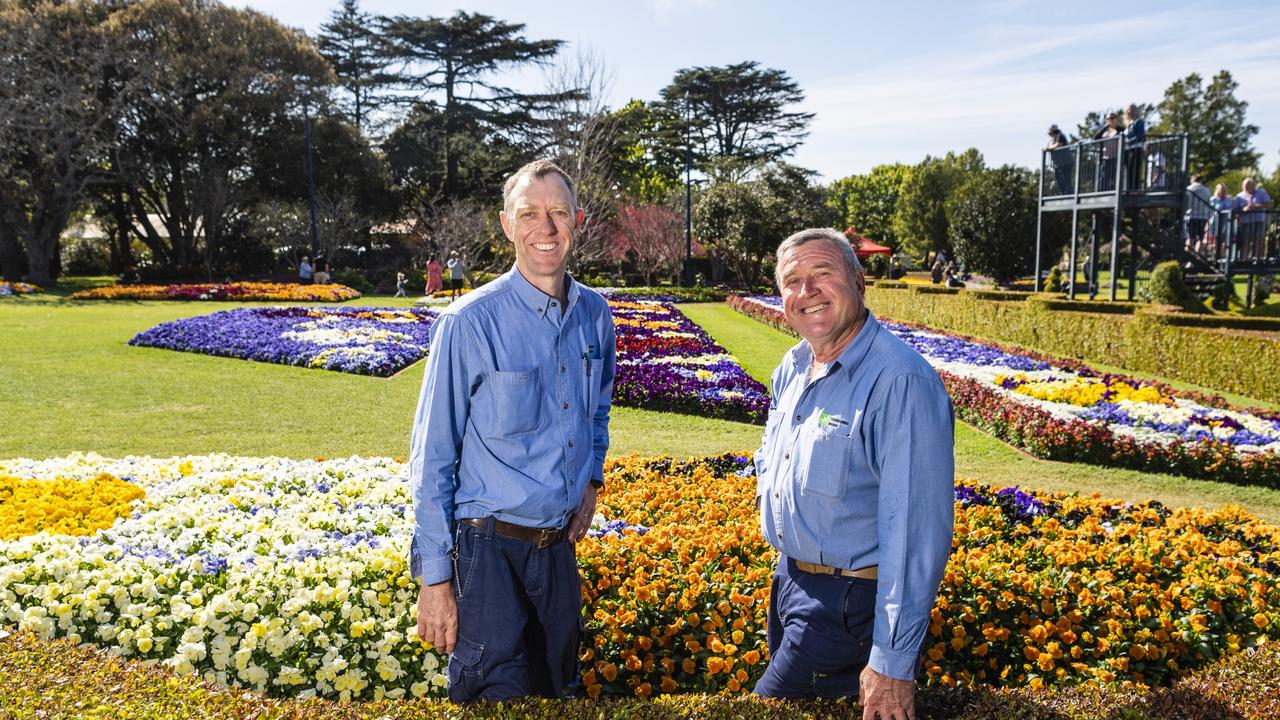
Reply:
x=866, y=573
x=540, y=537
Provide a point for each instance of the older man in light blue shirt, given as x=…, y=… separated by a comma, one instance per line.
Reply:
x=856, y=492
x=507, y=454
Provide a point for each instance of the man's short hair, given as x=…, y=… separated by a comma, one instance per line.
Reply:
x=1196, y=178
x=835, y=237
x=535, y=170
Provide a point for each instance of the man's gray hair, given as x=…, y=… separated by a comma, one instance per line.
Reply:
x=536, y=170
x=835, y=237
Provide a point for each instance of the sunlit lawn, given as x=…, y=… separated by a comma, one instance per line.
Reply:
x=71, y=383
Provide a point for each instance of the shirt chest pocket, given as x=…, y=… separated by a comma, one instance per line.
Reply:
x=515, y=403
x=825, y=472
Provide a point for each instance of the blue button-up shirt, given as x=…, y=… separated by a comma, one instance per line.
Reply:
x=857, y=469
x=513, y=420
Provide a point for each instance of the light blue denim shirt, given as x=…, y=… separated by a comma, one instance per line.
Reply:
x=513, y=420
x=857, y=469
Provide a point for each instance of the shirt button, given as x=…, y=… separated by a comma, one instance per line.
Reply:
x=786, y=456
x=570, y=443
x=565, y=406
x=797, y=418
x=561, y=368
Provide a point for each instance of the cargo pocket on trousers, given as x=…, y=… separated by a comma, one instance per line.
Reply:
x=464, y=668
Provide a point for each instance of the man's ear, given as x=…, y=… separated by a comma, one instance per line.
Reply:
x=506, y=224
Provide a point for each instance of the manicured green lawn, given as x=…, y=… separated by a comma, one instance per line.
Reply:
x=69, y=382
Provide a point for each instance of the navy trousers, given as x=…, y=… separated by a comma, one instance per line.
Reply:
x=819, y=634
x=519, y=618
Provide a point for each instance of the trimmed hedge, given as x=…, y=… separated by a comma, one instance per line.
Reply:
x=680, y=293
x=53, y=679
x=1231, y=357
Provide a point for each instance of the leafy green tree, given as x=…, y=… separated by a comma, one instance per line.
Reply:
x=737, y=111
x=920, y=218
x=421, y=149
x=732, y=221
x=992, y=222
x=647, y=153
x=227, y=90
x=358, y=54
x=868, y=202
x=792, y=201
x=60, y=101
x=449, y=63
x=1214, y=118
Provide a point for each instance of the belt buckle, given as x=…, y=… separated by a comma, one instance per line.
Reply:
x=546, y=537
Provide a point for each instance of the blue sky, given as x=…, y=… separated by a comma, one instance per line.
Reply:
x=892, y=82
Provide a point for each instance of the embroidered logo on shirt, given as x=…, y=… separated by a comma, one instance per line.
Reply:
x=827, y=421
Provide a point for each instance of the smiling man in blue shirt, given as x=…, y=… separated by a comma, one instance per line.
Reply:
x=856, y=488
x=507, y=454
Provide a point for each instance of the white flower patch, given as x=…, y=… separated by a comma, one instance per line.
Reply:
x=281, y=575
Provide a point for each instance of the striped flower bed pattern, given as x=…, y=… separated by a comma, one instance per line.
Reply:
x=366, y=341
x=1064, y=410
x=668, y=363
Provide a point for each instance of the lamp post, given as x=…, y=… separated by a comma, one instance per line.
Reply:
x=688, y=193
x=311, y=178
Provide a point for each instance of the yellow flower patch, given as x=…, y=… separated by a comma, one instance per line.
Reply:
x=62, y=506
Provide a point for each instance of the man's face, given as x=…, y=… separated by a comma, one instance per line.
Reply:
x=1112, y=120
x=821, y=299
x=541, y=222
x=1247, y=186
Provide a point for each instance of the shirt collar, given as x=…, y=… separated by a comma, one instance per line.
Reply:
x=849, y=357
x=537, y=300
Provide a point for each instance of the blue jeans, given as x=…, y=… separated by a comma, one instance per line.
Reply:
x=519, y=618
x=819, y=634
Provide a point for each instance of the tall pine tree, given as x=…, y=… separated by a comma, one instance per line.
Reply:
x=352, y=45
x=449, y=63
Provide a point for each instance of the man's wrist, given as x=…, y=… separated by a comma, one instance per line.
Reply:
x=896, y=665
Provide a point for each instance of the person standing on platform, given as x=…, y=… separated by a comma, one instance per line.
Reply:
x=1199, y=208
x=507, y=455
x=1253, y=202
x=1135, y=147
x=855, y=490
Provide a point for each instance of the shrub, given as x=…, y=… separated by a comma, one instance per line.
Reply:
x=878, y=265
x=1053, y=283
x=353, y=279
x=1167, y=288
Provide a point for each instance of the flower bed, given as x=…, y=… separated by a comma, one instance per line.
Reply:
x=44, y=678
x=17, y=288
x=1064, y=410
x=293, y=292
x=366, y=341
x=668, y=363
x=290, y=577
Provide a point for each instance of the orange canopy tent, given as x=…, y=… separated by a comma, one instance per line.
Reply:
x=864, y=247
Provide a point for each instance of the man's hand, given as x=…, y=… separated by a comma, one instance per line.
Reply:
x=438, y=616
x=581, y=520
x=886, y=698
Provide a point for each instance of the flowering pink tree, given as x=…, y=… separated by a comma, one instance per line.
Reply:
x=651, y=236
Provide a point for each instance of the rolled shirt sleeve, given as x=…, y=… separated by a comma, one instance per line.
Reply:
x=436, y=446
x=913, y=431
